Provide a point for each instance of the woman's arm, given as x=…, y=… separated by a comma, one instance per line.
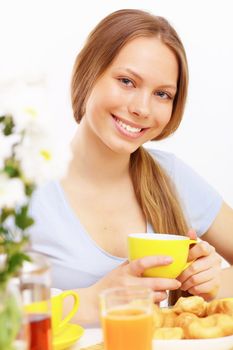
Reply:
x=129, y=273
x=204, y=276
x=220, y=235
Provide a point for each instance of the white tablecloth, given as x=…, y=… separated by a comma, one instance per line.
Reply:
x=91, y=336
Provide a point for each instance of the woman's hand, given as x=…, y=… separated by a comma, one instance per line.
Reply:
x=130, y=273
x=127, y=274
x=202, y=277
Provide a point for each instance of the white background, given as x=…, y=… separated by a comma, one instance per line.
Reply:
x=40, y=39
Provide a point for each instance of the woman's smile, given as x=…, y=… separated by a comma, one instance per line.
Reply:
x=128, y=128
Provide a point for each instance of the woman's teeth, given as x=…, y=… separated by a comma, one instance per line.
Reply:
x=127, y=127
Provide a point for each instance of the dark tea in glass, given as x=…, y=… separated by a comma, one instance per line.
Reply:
x=35, y=290
x=40, y=332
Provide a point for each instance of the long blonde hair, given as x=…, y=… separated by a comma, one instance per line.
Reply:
x=154, y=190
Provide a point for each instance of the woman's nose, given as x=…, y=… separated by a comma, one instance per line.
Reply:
x=139, y=105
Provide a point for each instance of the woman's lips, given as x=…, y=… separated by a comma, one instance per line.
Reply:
x=127, y=128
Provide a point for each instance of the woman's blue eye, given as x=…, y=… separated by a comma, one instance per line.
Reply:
x=126, y=81
x=163, y=95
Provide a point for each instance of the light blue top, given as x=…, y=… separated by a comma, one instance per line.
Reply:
x=77, y=261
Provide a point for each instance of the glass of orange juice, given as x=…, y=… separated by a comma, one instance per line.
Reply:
x=126, y=317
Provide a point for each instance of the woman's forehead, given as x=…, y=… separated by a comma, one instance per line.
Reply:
x=147, y=56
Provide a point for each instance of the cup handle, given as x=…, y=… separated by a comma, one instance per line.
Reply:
x=191, y=241
x=72, y=312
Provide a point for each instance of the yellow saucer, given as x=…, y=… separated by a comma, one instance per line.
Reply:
x=69, y=336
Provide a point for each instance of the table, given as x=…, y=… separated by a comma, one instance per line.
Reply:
x=91, y=336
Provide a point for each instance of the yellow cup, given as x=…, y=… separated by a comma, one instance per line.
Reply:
x=58, y=322
x=43, y=308
x=148, y=244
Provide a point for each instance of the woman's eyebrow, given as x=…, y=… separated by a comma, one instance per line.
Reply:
x=167, y=86
x=129, y=70
x=134, y=73
x=164, y=86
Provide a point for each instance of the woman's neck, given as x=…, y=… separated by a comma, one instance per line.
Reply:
x=94, y=161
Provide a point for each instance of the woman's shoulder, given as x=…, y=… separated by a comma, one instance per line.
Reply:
x=165, y=159
x=174, y=166
x=199, y=199
x=159, y=154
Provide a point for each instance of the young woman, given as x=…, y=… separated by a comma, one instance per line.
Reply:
x=129, y=86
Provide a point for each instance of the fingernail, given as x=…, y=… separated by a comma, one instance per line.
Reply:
x=168, y=260
x=206, y=247
x=161, y=296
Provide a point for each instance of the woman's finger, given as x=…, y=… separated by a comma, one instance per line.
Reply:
x=205, y=288
x=199, y=278
x=159, y=296
x=159, y=284
x=200, y=265
x=192, y=234
x=200, y=249
x=138, y=266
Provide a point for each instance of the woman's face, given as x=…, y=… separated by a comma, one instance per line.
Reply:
x=132, y=101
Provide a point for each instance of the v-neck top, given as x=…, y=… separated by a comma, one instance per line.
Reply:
x=76, y=259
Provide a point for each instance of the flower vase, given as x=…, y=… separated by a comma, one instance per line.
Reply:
x=13, y=330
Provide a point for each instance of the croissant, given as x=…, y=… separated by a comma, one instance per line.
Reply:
x=193, y=318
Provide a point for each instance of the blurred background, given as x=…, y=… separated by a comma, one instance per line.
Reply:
x=39, y=41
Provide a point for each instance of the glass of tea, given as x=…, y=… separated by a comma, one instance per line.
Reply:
x=35, y=284
x=127, y=318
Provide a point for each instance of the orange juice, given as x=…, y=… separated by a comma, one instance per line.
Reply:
x=127, y=329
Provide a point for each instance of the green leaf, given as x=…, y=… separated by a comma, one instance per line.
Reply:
x=5, y=213
x=15, y=258
x=3, y=231
x=29, y=189
x=8, y=123
x=22, y=219
x=12, y=168
x=16, y=261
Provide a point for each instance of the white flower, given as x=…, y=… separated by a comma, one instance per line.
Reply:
x=28, y=117
x=40, y=152
x=42, y=156
x=26, y=103
x=11, y=192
